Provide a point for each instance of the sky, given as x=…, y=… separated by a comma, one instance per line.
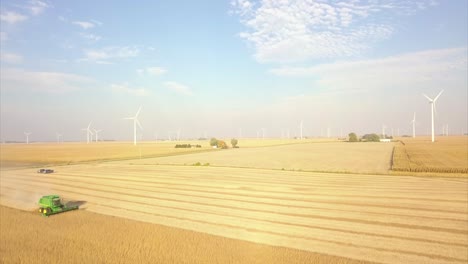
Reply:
x=231, y=68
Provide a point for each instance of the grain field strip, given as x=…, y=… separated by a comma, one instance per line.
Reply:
x=389, y=231
x=208, y=173
x=388, y=203
x=405, y=221
x=277, y=189
x=348, y=186
x=318, y=205
x=190, y=173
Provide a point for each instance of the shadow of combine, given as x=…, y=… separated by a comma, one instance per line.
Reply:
x=75, y=203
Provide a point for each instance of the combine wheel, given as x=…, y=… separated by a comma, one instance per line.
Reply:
x=46, y=211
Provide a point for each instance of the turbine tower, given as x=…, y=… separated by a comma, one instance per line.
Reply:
x=383, y=131
x=301, y=125
x=414, y=125
x=97, y=133
x=433, y=109
x=88, y=132
x=58, y=137
x=135, y=122
x=27, y=136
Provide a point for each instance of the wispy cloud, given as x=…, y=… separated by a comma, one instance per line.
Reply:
x=37, y=7
x=155, y=71
x=11, y=17
x=11, y=58
x=109, y=53
x=90, y=37
x=179, y=88
x=430, y=68
x=84, y=24
x=50, y=82
x=126, y=89
x=284, y=31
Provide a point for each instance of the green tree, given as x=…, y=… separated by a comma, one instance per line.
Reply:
x=213, y=142
x=353, y=137
x=234, y=143
x=371, y=137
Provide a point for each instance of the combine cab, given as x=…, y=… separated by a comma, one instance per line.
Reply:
x=52, y=204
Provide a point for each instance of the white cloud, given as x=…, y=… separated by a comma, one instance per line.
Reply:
x=51, y=82
x=37, y=7
x=430, y=68
x=11, y=17
x=124, y=88
x=84, y=24
x=108, y=53
x=11, y=58
x=156, y=71
x=91, y=37
x=178, y=88
x=284, y=31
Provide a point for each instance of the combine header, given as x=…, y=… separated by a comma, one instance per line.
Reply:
x=52, y=204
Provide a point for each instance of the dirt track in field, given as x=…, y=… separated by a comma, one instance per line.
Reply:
x=387, y=219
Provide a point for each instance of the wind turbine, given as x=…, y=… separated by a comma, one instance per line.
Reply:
x=301, y=125
x=27, y=136
x=97, y=133
x=88, y=132
x=433, y=109
x=135, y=122
x=383, y=131
x=58, y=137
x=414, y=125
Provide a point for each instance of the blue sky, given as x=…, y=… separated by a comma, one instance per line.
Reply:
x=213, y=67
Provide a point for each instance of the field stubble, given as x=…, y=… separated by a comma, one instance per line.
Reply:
x=387, y=219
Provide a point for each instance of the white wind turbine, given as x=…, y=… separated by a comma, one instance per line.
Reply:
x=58, y=137
x=383, y=131
x=97, y=133
x=433, y=109
x=414, y=125
x=135, y=122
x=88, y=132
x=27, y=136
x=301, y=125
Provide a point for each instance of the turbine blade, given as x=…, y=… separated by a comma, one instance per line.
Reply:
x=428, y=98
x=138, y=112
x=138, y=123
x=90, y=124
x=438, y=95
x=129, y=118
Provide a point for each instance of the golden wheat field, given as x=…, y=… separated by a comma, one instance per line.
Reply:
x=376, y=218
x=86, y=237
x=446, y=155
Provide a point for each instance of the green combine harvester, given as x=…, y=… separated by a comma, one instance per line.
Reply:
x=52, y=204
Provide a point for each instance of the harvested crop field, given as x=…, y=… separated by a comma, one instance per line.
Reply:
x=328, y=156
x=446, y=155
x=386, y=219
x=23, y=155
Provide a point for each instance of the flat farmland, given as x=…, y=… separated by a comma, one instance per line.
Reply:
x=311, y=156
x=385, y=219
x=36, y=154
